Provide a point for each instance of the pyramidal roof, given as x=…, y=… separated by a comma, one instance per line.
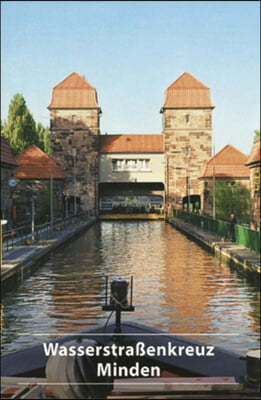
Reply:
x=228, y=162
x=74, y=92
x=187, y=92
x=187, y=81
x=74, y=81
x=33, y=163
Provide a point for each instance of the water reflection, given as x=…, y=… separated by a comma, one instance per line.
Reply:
x=178, y=287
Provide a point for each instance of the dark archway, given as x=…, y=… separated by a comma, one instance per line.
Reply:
x=131, y=197
x=192, y=200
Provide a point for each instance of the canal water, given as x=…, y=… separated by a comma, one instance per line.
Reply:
x=178, y=287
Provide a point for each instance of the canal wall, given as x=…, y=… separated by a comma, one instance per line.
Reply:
x=23, y=260
x=231, y=253
x=131, y=216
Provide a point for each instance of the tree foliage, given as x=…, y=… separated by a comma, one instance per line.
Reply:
x=232, y=198
x=256, y=134
x=43, y=138
x=20, y=128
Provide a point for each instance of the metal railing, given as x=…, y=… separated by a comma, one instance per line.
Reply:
x=23, y=235
x=243, y=235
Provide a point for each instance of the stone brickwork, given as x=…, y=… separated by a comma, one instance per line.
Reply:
x=75, y=119
x=253, y=163
x=187, y=126
x=187, y=148
x=82, y=135
x=75, y=129
x=255, y=195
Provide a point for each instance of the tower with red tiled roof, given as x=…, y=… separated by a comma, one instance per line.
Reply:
x=187, y=126
x=75, y=129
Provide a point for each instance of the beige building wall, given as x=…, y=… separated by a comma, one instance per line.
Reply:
x=155, y=172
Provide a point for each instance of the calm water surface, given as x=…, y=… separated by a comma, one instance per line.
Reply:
x=178, y=287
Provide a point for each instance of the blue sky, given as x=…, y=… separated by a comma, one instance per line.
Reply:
x=131, y=52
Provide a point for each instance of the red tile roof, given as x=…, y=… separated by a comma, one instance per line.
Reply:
x=74, y=92
x=33, y=163
x=131, y=143
x=187, y=92
x=227, y=163
x=7, y=157
x=255, y=153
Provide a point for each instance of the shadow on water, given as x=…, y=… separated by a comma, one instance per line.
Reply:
x=178, y=287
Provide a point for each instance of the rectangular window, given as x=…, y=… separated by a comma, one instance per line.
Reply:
x=131, y=165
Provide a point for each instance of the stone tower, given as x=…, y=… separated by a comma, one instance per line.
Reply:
x=74, y=125
x=187, y=126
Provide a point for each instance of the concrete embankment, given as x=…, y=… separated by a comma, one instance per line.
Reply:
x=229, y=252
x=22, y=260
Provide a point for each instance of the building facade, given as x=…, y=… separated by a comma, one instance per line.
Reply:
x=132, y=167
x=99, y=166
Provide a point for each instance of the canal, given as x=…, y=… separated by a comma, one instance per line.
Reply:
x=178, y=287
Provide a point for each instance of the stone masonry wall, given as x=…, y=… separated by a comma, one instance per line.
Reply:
x=187, y=148
x=77, y=129
x=76, y=119
x=255, y=195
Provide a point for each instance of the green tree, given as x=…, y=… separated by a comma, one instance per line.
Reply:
x=43, y=138
x=20, y=129
x=232, y=198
